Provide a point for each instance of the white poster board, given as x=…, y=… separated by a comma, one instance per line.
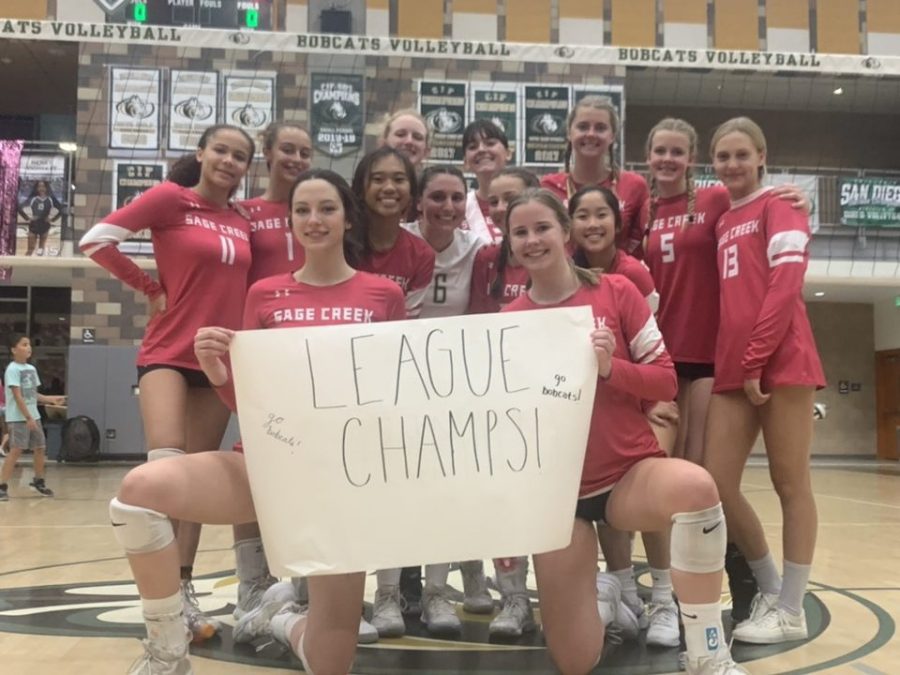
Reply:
x=468, y=430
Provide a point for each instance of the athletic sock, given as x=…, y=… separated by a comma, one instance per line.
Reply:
x=766, y=574
x=661, y=593
x=793, y=587
x=703, y=632
x=629, y=587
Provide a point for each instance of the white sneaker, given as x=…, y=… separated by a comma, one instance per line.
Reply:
x=202, y=627
x=610, y=607
x=438, y=614
x=719, y=663
x=663, y=629
x=774, y=626
x=157, y=662
x=515, y=618
x=386, y=614
x=760, y=605
x=477, y=598
x=368, y=634
x=255, y=624
x=250, y=594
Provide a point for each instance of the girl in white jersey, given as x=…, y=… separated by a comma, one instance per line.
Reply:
x=487, y=152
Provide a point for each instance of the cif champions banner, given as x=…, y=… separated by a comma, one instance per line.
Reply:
x=469, y=430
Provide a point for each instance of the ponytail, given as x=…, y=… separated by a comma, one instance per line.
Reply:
x=185, y=171
x=496, y=290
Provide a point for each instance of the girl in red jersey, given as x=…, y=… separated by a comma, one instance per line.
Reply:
x=201, y=243
x=487, y=152
x=596, y=223
x=384, y=183
x=212, y=487
x=767, y=371
x=407, y=132
x=497, y=277
x=288, y=151
x=623, y=462
x=592, y=128
x=680, y=251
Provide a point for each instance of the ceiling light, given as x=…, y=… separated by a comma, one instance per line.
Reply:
x=838, y=91
x=68, y=146
x=819, y=294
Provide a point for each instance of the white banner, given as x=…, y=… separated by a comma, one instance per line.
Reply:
x=365, y=45
x=470, y=431
x=134, y=99
x=193, y=106
x=250, y=100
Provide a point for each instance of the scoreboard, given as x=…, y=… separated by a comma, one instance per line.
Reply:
x=226, y=14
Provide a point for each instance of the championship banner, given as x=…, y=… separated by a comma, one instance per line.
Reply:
x=870, y=202
x=499, y=103
x=468, y=430
x=42, y=204
x=443, y=105
x=337, y=116
x=546, y=109
x=615, y=94
x=250, y=100
x=366, y=45
x=131, y=179
x=134, y=99
x=193, y=106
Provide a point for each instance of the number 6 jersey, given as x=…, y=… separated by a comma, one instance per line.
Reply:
x=763, y=330
x=202, y=254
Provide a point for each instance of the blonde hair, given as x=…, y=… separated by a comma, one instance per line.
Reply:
x=749, y=128
x=597, y=103
x=551, y=201
x=390, y=118
x=681, y=127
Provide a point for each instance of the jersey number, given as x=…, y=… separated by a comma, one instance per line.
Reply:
x=667, y=244
x=730, y=262
x=290, y=244
x=440, y=289
x=227, y=250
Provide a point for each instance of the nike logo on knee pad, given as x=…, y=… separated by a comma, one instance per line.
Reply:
x=707, y=530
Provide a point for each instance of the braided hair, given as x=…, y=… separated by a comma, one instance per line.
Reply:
x=681, y=127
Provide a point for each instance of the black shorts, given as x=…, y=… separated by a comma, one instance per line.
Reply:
x=593, y=509
x=194, y=378
x=39, y=227
x=694, y=371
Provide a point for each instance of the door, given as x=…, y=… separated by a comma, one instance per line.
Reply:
x=887, y=401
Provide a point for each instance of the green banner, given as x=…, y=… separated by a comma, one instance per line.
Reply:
x=443, y=105
x=500, y=106
x=336, y=113
x=870, y=202
x=546, y=108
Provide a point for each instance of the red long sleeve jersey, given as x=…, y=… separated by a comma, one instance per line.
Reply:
x=620, y=435
x=202, y=253
x=484, y=273
x=633, y=193
x=764, y=331
x=274, y=246
x=282, y=302
x=681, y=256
x=409, y=264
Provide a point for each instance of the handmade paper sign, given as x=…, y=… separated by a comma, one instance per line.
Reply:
x=468, y=431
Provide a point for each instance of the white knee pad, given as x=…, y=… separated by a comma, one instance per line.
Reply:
x=698, y=540
x=140, y=530
x=162, y=453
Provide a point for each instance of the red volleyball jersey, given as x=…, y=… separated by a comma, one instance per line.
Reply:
x=681, y=256
x=632, y=191
x=275, y=248
x=410, y=264
x=280, y=301
x=620, y=435
x=484, y=272
x=202, y=254
x=764, y=331
x=634, y=270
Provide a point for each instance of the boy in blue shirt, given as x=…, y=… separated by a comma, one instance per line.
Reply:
x=22, y=416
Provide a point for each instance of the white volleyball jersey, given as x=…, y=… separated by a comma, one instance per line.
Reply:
x=448, y=293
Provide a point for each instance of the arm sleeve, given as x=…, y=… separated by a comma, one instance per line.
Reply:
x=634, y=229
x=479, y=291
x=13, y=377
x=787, y=238
x=418, y=285
x=250, y=322
x=396, y=305
x=649, y=374
x=102, y=240
x=57, y=206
